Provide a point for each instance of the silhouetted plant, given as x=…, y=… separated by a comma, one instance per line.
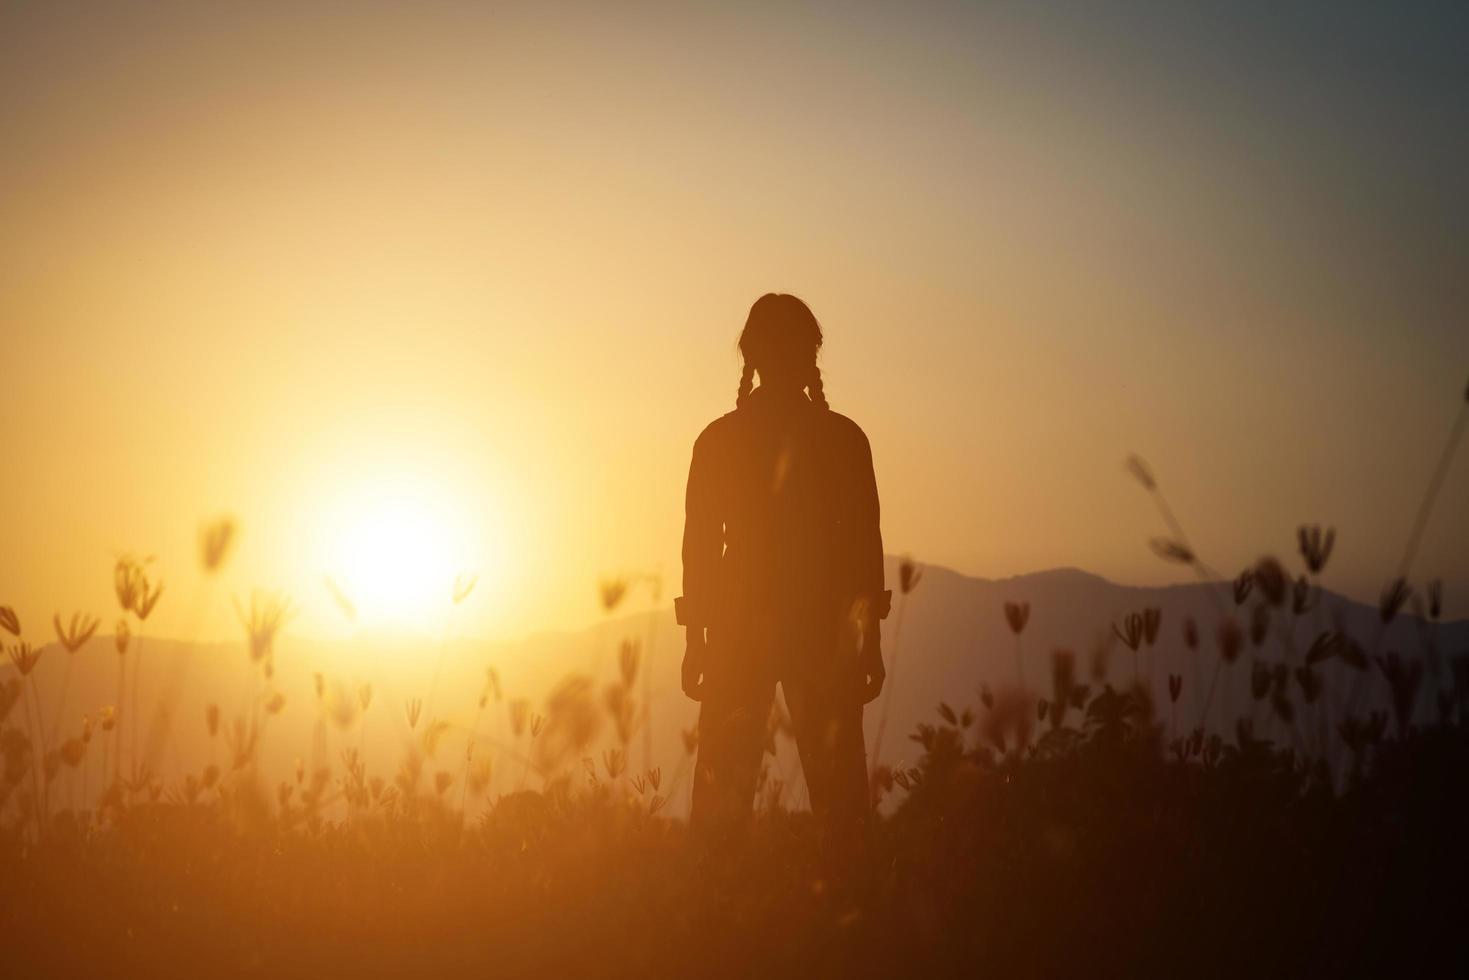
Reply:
x=1315, y=545
x=1017, y=614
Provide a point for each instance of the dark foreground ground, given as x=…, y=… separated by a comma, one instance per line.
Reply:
x=1096, y=852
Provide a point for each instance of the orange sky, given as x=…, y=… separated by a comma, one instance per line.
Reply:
x=489, y=266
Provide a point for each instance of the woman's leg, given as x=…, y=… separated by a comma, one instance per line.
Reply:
x=732, y=727
x=827, y=719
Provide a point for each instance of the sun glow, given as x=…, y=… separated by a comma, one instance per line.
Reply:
x=394, y=551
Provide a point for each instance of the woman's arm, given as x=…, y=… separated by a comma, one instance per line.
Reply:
x=703, y=546
x=866, y=528
x=703, y=538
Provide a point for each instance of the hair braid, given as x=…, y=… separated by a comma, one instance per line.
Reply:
x=747, y=382
x=818, y=393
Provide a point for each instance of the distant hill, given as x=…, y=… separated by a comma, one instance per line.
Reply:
x=953, y=637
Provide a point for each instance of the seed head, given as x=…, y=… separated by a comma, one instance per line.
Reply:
x=1017, y=614
x=909, y=575
x=77, y=632
x=612, y=591
x=627, y=661
x=1243, y=584
x=413, y=710
x=1175, y=687
x=1302, y=596
x=1315, y=545
x=1231, y=640
x=146, y=601
x=464, y=584
x=215, y=541
x=1259, y=625
x=1323, y=648
x=134, y=592
x=269, y=611
x=9, y=621
x=1309, y=682
x=1171, y=550
x=1271, y=578
x=1131, y=633
x=1152, y=619
x=121, y=634
x=24, y=656
x=1141, y=473
x=127, y=580
x=1393, y=596
x=1190, y=633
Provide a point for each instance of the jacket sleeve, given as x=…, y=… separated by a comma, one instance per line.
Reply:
x=703, y=538
x=867, y=530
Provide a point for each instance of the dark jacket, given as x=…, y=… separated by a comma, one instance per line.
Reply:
x=781, y=538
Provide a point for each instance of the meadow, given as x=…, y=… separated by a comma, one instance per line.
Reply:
x=1109, y=811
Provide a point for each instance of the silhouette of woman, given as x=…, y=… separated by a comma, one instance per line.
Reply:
x=783, y=582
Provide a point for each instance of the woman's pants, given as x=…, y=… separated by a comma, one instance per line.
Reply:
x=826, y=718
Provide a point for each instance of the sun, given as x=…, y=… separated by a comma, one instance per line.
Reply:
x=395, y=548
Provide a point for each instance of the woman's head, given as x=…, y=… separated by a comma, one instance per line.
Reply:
x=780, y=341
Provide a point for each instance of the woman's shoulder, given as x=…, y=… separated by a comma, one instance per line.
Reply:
x=717, y=431
x=830, y=426
x=843, y=427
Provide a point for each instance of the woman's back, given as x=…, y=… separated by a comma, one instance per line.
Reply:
x=782, y=516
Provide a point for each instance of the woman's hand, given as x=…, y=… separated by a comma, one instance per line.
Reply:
x=694, y=655
x=871, y=668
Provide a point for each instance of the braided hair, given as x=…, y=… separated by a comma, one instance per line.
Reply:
x=747, y=383
x=781, y=330
x=818, y=393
